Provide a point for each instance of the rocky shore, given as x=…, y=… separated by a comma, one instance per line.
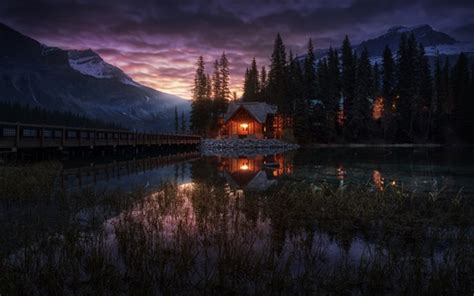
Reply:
x=244, y=147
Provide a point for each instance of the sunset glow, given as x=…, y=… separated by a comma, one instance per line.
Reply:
x=157, y=43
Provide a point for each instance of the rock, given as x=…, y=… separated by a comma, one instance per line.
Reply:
x=244, y=147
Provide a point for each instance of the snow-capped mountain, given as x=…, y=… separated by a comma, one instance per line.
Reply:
x=424, y=34
x=433, y=41
x=80, y=81
x=90, y=63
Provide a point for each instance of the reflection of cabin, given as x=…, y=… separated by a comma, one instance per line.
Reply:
x=254, y=173
x=251, y=120
x=246, y=173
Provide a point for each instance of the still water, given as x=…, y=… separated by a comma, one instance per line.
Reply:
x=319, y=221
x=412, y=169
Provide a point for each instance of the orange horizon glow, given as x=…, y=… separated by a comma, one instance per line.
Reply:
x=175, y=78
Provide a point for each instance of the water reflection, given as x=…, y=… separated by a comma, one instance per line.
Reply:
x=128, y=173
x=262, y=224
x=256, y=173
x=378, y=180
x=412, y=170
x=420, y=170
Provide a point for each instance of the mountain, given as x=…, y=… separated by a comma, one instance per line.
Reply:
x=80, y=81
x=433, y=41
x=424, y=34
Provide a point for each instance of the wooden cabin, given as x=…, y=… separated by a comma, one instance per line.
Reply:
x=250, y=120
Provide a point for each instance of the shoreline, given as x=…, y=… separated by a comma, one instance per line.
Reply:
x=241, y=147
x=356, y=145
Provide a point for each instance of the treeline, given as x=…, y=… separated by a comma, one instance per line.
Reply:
x=344, y=98
x=210, y=96
x=14, y=112
x=179, y=124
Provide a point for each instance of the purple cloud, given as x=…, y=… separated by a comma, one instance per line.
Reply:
x=158, y=42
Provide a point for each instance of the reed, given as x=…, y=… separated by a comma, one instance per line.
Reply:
x=26, y=182
x=297, y=237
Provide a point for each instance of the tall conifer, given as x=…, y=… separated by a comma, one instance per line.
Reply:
x=199, y=112
x=462, y=99
x=388, y=94
x=277, y=83
x=361, y=106
x=348, y=76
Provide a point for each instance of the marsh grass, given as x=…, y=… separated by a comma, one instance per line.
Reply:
x=26, y=182
x=201, y=238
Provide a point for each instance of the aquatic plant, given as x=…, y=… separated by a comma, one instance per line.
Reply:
x=207, y=238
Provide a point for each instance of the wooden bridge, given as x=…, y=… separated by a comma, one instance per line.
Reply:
x=15, y=136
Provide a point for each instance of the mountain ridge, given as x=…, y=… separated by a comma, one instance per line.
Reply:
x=434, y=42
x=80, y=81
x=424, y=34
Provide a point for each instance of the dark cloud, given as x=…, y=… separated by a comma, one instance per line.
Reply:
x=464, y=32
x=158, y=42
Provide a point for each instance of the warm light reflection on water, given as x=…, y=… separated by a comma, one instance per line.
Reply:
x=378, y=180
x=286, y=223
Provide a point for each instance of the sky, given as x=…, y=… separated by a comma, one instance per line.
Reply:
x=157, y=43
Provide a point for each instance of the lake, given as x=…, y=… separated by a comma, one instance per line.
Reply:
x=414, y=169
x=318, y=221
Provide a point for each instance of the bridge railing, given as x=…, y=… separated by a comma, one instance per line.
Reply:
x=19, y=135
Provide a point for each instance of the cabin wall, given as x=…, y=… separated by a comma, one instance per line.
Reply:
x=234, y=128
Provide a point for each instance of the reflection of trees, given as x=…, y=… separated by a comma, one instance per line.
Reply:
x=291, y=238
x=205, y=170
x=249, y=205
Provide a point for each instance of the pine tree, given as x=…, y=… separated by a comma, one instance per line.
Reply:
x=208, y=87
x=438, y=99
x=277, y=83
x=304, y=113
x=463, y=102
x=176, y=121
x=255, y=83
x=220, y=93
x=361, y=106
x=301, y=108
x=321, y=126
x=445, y=104
x=200, y=104
x=333, y=100
x=225, y=78
x=348, y=76
x=407, y=102
x=437, y=84
x=425, y=102
x=200, y=81
x=183, y=123
x=376, y=80
x=378, y=103
x=246, y=90
x=309, y=74
x=251, y=84
x=472, y=79
x=14, y=112
x=263, y=85
x=216, y=81
x=388, y=94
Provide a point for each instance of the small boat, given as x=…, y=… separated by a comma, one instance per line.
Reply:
x=271, y=164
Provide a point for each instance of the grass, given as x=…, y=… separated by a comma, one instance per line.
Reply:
x=204, y=238
x=26, y=182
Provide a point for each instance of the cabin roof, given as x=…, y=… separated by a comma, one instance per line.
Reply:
x=257, y=110
x=256, y=181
